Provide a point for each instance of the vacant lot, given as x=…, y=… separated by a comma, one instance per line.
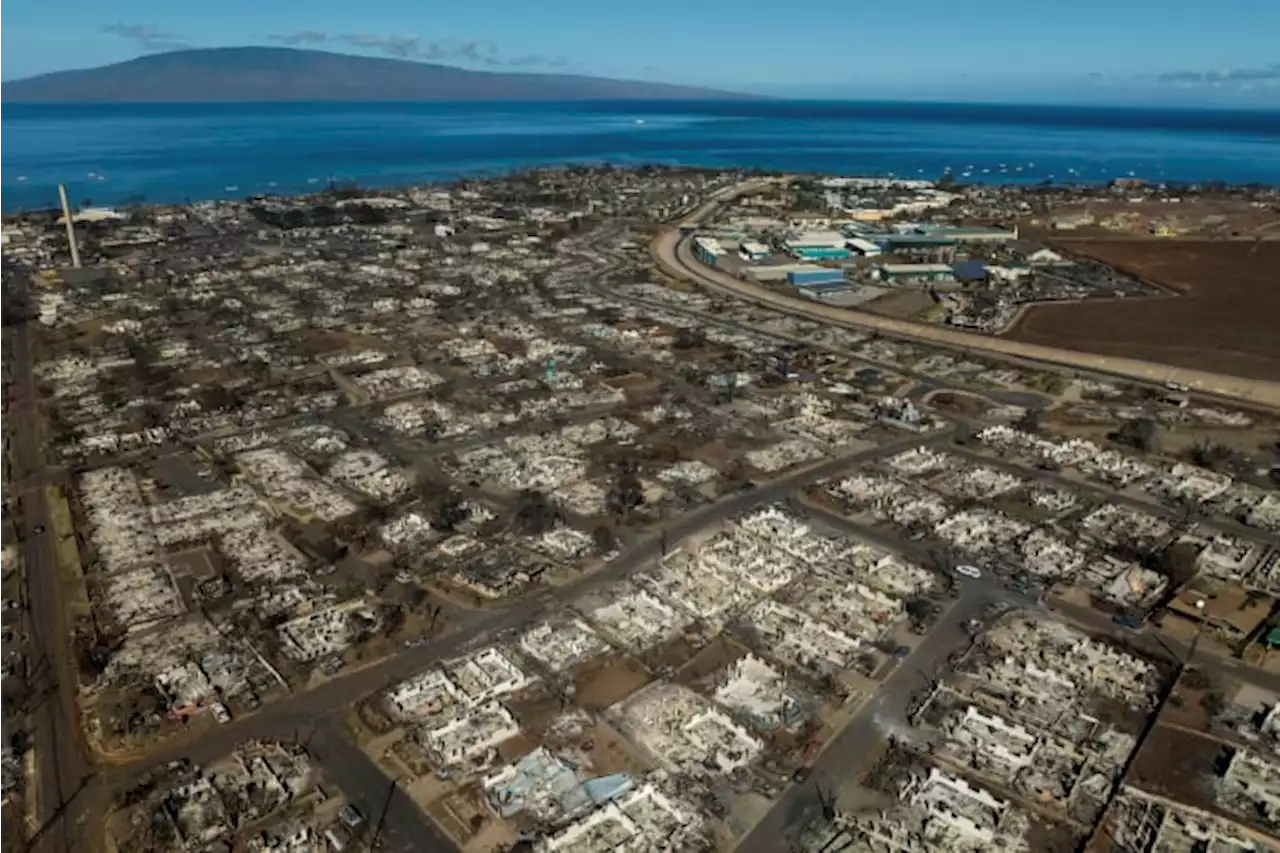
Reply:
x=1222, y=318
x=901, y=303
x=1177, y=764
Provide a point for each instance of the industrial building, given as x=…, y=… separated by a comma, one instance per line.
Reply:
x=864, y=247
x=798, y=244
x=838, y=292
x=707, y=249
x=920, y=247
x=822, y=253
x=777, y=272
x=753, y=251
x=970, y=234
x=914, y=273
x=814, y=275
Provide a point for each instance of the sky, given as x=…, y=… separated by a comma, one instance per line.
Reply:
x=1084, y=51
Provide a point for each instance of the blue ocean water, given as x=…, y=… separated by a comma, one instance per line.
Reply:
x=170, y=152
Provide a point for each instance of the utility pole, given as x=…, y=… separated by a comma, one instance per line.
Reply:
x=71, y=228
x=382, y=817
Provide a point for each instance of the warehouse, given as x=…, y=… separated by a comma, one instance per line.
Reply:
x=864, y=247
x=818, y=246
x=920, y=247
x=815, y=240
x=821, y=253
x=921, y=273
x=707, y=249
x=839, y=292
x=978, y=234
x=814, y=275
x=776, y=272
x=752, y=251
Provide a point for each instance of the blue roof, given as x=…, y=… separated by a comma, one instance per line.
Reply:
x=608, y=788
x=971, y=270
x=836, y=277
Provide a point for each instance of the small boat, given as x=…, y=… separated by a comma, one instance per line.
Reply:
x=639, y=121
x=232, y=188
x=22, y=177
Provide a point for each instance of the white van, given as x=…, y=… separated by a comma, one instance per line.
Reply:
x=969, y=571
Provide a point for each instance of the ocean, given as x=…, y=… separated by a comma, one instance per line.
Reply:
x=114, y=154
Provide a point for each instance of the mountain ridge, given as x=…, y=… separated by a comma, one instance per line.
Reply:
x=282, y=74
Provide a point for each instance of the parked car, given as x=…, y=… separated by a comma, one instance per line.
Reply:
x=350, y=815
x=969, y=571
x=220, y=712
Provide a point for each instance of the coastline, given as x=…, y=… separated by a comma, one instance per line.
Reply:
x=169, y=153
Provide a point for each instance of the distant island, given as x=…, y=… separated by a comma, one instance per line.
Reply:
x=240, y=74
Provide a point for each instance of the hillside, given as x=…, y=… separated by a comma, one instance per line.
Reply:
x=287, y=74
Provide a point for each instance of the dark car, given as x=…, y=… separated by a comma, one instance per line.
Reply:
x=801, y=775
x=39, y=528
x=1131, y=622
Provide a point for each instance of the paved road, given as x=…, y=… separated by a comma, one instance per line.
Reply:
x=306, y=707
x=799, y=805
x=61, y=764
x=389, y=813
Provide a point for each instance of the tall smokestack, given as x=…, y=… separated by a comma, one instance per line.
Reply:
x=71, y=228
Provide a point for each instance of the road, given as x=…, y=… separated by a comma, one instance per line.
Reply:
x=62, y=766
x=303, y=708
x=389, y=813
x=850, y=748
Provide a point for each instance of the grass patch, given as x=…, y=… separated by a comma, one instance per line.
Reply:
x=66, y=552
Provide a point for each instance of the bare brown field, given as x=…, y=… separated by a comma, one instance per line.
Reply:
x=1175, y=763
x=607, y=680
x=900, y=303
x=1223, y=318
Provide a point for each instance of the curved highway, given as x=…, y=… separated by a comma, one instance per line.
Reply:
x=672, y=252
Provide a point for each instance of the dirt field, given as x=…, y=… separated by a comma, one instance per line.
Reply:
x=1176, y=764
x=901, y=303
x=607, y=680
x=1222, y=321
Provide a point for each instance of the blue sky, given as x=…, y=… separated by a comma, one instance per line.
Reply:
x=1122, y=51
